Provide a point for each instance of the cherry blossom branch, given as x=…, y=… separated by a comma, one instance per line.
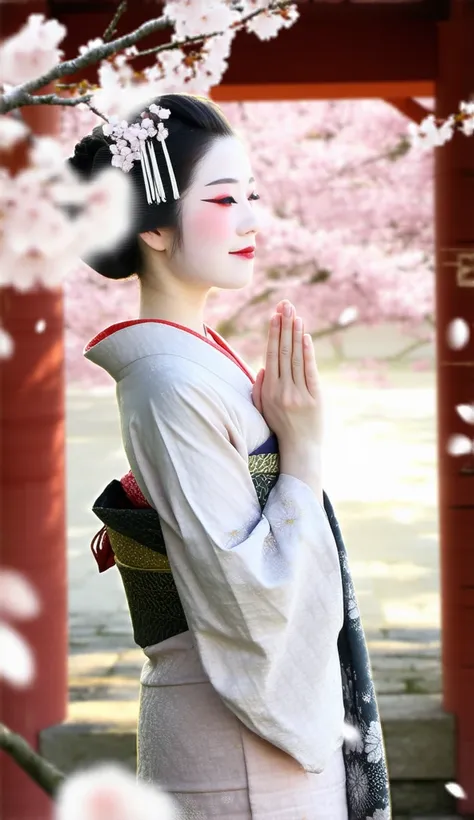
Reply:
x=279, y=5
x=15, y=98
x=21, y=95
x=44, y=774
x=53, y=99
x=112, y=27
x=397, y=357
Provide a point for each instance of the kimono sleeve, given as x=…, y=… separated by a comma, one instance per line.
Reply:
x=262, y=592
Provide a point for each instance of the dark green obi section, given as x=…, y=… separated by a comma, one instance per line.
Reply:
x=140, y=553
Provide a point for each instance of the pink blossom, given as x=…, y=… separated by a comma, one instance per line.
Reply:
x=31, y=51
x=199, y=16
x=112, y=792
x=11, y=132
x=268, y=25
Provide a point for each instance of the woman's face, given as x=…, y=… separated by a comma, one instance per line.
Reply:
x=218, y=219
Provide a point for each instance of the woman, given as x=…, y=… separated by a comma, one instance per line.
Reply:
x=232, y=561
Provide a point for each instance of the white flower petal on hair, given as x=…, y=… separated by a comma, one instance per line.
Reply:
x=110, y=791
x=16, y=660
x=18, y=598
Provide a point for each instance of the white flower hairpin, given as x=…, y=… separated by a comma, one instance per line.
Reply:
x=133, y=141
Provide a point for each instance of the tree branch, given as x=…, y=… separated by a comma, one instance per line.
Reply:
x=53, y=99
x=112, y=27
x=16, y=97
x=12, y=99
x=47, y=776
x=276, y=6
x=397, y=357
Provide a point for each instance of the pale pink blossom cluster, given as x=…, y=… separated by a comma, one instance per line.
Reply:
x=18, y=602
x=31, y=51
x=111, y=791
x=431, y=133
x=39, y=241
x=172, y=71
x=11, y=132
x=268, y=25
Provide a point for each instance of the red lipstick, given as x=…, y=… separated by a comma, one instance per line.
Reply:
x=247, y=253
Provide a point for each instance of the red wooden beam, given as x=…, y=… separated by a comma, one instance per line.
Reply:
x=411, y=108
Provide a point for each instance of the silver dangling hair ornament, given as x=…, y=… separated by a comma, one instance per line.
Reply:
x=133, y=141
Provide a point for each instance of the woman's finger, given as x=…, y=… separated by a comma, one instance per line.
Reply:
x=286, y=343
x=257, y=391
x=272, y=361
x=310, y=367
x=297, y=360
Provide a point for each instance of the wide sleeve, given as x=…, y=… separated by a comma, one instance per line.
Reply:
x=262, y=592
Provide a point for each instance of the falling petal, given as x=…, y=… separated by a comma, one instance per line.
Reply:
x=466, y=411
x=110, y=791
x=458, y=334
x=6, y=344
x=348, y=315
x=18, y=598
x=351, y=734
x=40, y=326
x=459, y=446
x=456, y=790
x=16, y=660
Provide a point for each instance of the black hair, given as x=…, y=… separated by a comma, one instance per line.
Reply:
x=194, y=123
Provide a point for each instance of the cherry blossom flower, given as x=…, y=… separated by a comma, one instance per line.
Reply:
x=111, y=791
x=11, y=132
x=269, y=24
x=95, y=43
x=31, y=51
x=431, y=135
x=199, y=16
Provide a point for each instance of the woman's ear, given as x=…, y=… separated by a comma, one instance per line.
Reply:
x=157, y=240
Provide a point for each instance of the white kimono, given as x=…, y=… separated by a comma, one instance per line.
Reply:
x=242, y=716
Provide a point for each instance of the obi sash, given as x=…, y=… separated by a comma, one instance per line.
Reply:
x=139, y=552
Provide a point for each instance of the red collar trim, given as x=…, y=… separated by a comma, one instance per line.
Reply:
x=216, y=341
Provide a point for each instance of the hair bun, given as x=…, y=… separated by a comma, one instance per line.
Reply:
x=85, y=152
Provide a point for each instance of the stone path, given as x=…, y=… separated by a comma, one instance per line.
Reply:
x=381, y=476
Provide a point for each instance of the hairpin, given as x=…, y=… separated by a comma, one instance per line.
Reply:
x=133, y=141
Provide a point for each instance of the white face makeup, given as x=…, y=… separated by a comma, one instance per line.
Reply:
x=218, y=219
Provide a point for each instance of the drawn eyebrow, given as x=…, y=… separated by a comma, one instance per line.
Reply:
x=226, y=180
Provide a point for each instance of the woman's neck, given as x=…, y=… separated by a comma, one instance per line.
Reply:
x=182, y=308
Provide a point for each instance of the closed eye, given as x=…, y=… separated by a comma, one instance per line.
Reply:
x=229, y=200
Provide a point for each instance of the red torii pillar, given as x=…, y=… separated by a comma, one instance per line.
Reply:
x=32, y=490
x=454, y=172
